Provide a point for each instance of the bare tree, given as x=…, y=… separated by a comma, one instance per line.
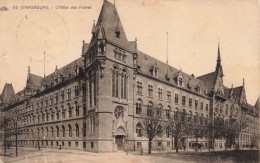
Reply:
x=152, y=126
x=199, y=128
x=179, y=126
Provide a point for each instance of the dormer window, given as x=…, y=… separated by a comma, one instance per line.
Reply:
x=199, y=90
x=155, y=71
x=180, y=81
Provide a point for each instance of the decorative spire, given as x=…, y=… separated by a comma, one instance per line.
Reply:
x=243, y=82
x=219, y=58
x=29, y=70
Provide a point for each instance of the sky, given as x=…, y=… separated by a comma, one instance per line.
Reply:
x=194, y=29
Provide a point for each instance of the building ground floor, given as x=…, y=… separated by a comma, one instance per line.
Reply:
x=118, y=142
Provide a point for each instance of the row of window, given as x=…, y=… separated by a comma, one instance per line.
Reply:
x=59, y=132
x=50, y=101
x=169, y=96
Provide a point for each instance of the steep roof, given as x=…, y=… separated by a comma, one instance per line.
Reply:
x=209, y=80
x=85, y=47
x=33, y=81
x=107, y=25
x=65, y=72
x=237, y=92
x=227, y=91
x=146, y=63
x=7, y=92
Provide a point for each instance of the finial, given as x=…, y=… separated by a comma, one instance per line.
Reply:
x=29, y=69
x=136, y=39
x=243, y=81
x=83, y=41
x=56, y=68
x=232, y=86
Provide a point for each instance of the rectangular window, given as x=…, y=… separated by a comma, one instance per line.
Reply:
x=76, y=144
x=176, y=98
x=183, y=100
x=56, y=97
x=92, y=145
x=46, y=101
x=84, y=88
x=160, y=93
x=76, y=89
x=139, y=87
x=190, y=102
x=62, y=95
x=207, y=107
x=51, y=100
x=201, y=105
x=69, y=94
x=169, y=96
x=150, y=90
x=84, y=145
x=196, y=104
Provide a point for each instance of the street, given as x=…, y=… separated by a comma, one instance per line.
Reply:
x=28, y=155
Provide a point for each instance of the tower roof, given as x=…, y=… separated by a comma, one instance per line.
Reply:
x=108, y=25
x=7, y=92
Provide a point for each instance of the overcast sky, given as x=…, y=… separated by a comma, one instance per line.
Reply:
x=194, y=27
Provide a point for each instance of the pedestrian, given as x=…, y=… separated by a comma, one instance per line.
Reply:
x=141, y=150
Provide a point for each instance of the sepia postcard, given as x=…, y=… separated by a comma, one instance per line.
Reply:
x=134, y=81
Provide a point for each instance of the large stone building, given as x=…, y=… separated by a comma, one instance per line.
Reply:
x=96, y=102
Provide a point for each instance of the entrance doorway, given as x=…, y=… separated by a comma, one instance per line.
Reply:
x=120, y=142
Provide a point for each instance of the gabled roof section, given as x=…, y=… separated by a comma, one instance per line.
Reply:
x=209, y=80
x=33, y=81
x=237, y=92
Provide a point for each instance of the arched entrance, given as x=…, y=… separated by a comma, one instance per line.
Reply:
x=120, y=138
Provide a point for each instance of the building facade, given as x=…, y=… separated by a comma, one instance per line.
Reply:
x=96, y=103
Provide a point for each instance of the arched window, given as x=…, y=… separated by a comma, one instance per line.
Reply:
x=138, y=107
x=31, y=133
x=52, y=132
x=124, y=84
x=70, y=130
x=115, y=82
x=159, y=111
x=168, y=110
x=52, y=114
x=57, y=113
x=77, y=130
x=42, y=133
x=139, y=87
x=47, y=115
x=84, y=129
x=159, y=131
x=47, y=132
x=149, y=109
x=69, y=110
x=150, y=90
x=139, y=130
x=43, y=117
x=168, y=131
x=57, y=131
x=63, y=131
x=63, y=112
x=76, y=109
x=84, y=109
